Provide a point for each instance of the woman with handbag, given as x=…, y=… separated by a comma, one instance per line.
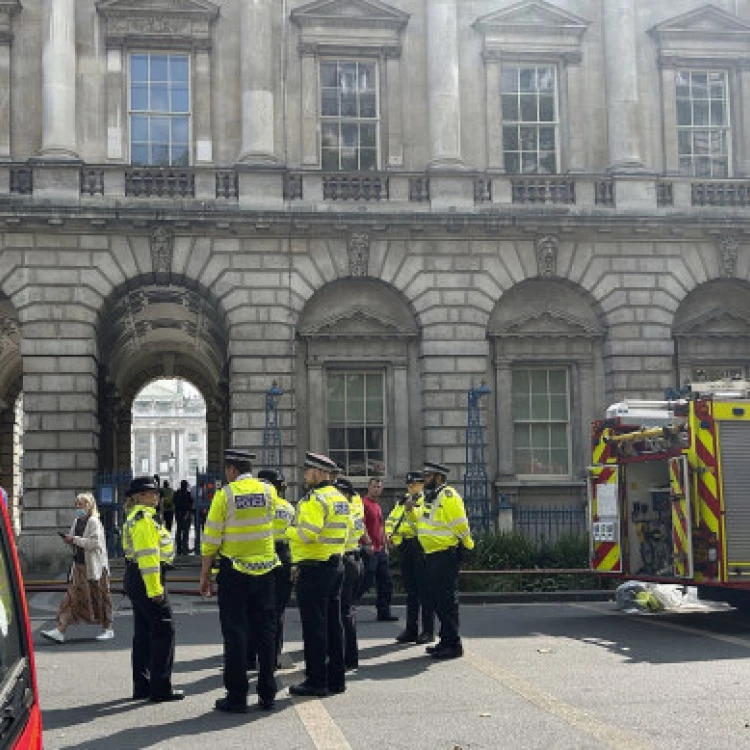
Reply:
x=87, y=599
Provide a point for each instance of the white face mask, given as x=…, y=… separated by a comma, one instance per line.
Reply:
x=81, y=512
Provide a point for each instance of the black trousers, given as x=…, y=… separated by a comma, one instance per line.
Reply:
x=352, y=578
x=284, y=586
x=378, y=571
x=319, y=601
x=442, y=593
x=168, y=519
x=183, y=532
x=152, y=656
x=413, y=576
x=247, y=602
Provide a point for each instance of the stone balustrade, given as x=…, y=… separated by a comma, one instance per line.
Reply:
x=426, y=191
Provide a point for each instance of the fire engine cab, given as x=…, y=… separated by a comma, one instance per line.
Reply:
x=669, y=491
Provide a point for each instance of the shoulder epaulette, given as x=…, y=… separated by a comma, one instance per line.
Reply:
x=448, y=492
x=138, y=515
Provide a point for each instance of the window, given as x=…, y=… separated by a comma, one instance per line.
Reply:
x=530, y=119
x=356, y=422
x=703, y=132
x=541, y=422
x=713, y=372
x=350, y=115
x=193, y=467
x=159, y=110
x=192, y=437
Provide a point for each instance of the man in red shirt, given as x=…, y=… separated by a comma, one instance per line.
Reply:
x=376, y=558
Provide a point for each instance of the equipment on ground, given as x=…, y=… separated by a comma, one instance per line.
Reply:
x=669, y=491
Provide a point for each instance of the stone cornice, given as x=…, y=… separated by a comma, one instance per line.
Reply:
x=349, y=14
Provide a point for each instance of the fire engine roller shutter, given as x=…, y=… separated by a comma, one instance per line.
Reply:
x=734, y=439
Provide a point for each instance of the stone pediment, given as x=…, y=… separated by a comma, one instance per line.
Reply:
x=531, y=17
x=716, y=322
x=357, y=323
x=547, y=323
x=169, y=23
x=707, y=22
x=350, y=13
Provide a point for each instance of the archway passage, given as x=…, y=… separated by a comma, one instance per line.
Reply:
x=150, y=331
x=11, y=409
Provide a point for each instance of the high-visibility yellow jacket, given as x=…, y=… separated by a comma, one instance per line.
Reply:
x=398, y=525
x=442, y=524
x=322, y=525
x=149, y=544
x=239, y=525
x=283, y=516
x=357, y=510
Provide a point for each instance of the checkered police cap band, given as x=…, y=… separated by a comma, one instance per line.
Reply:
x=319, y=461
x=235, y=454
x=433, y=468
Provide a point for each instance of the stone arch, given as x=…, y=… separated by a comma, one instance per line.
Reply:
x=711, y=330
x=365, y=328
x=148, y=329
x=553, y=325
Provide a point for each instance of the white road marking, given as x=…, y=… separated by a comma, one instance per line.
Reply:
x=323, y=730
x=607, y=735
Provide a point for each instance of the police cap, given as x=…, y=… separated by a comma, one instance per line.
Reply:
x=240, y=456
x=142, y=484
x=433, y=468
x=321, y=462
x=414, y=476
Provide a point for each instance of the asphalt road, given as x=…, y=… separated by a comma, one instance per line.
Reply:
x=567, y=676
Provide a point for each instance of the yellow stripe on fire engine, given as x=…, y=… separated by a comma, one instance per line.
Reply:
x=681, y=543
x=707, y=484
x=611, y=560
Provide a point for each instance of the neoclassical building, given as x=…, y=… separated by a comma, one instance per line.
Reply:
x=376, y=205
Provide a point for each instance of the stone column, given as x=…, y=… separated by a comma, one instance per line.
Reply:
x=402, y=455
x=258, y=56
x=443, y=88
x=395, y=104
x=621, y=68
x=204, y=152
x=572, y=74
x=495, y=156
x=317, y=418
x=115, y=117
x=743, y=160
x=503, y=393
x=59, y=80
x=309, y=86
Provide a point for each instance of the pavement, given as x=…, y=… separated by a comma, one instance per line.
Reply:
x=565, y=675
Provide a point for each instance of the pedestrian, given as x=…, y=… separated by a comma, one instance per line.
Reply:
x=402, y=531
x=87, y=598
x=376, y=567
x=317, y=540
x=283, y=573
x=183, y=509
x=352, y=573
x=239, y=529
x=148, y=552
x=167, y=505
x=443, y=532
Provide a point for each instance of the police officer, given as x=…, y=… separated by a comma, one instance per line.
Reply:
x=443, y=531
x=148, y=550
x=352, y=572
x=317, y=540
x=283, y=573
x=239, y=528
x=402, y=531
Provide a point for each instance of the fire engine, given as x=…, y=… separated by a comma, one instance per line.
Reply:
x=669, y=491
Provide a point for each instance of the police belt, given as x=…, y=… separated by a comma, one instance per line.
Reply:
x=332, y=560
x=352, y=554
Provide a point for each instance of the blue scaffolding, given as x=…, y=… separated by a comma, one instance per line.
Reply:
x=476, y=485
x=273, y=451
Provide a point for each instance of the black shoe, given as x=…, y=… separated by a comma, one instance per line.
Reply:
x=175, y=695
x=350, y=665
x=423, y=638
x=407, y=637
x=265, y=705
x=139, y=695
x=450, y=652
x=386, y=617
x=337, y=690
x=224, y=704
x=434, y=649
x=306, y=689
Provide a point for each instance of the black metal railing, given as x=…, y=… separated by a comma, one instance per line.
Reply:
x=92, y=181
x=155, y=182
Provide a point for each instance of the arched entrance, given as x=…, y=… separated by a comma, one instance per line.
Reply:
x=151, y=331
x=11, y=409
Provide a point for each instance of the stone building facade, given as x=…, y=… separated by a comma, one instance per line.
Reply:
x=377, y=205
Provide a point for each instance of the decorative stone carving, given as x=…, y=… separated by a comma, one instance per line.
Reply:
x=162, y=247
x=359, y=254
x=547, y=247
x=728, y=250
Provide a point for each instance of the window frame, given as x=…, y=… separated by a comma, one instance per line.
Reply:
x=190, y=115
x=556, y=123
x=539, y=367
x=340, y=119
x=727, y=129
x=358, y=370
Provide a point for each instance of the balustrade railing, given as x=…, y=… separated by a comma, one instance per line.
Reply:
x=664, y=194
x=92, y=181
x=559, y=190
x=21, y=181
x=293, y=187
x=355, y=186
x=482, y=190
x=419, y=189
x=721, y=193
x=604, y=193
x=227, y=184
x=154, y=182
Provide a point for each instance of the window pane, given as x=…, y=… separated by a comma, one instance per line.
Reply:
x=139, y=155
x=367, y=105
x=700, y=112
x=139, y=129
x=538, y=381
x=528, y=79
x=368, y=160
x=510, y=108
x=330, y=160
x=721, y=168
x=160, y=156
x=522, y=436
x=139, y=68
x=684, y=142
x=180, y=156
x=355, y=438
x=686, y=165
x=160, y=129
x=547, y=139
x=180, y=100
x=159, y=68
x=699, y=85
x=684, y=112
x=349, y=159
x=546, y=109
x=559, y=462
x=717, y=113
x=374, y=410
x=355, y=387
x=159, y=98
x=523, y=461
x=328, y=74
x=540, y=407
x=509, y=80
x=348, y=76
x=336, y=438
x=558, y=437
x=700, y=142
x=558, y=408
x=367, y=136
x=702, y=166
x=349, y=134
x=139, y=98
x=539, y=436
x=330, y=135
x=510, y=138
x=682, y=83
x=521, y=407
x=180, y=130
x=529, y=163
x=529, y=139
x=512, y=163
x=349, y=104
x=178, y=69
x=547, y=163
x=521, y=382
x=528, y=108
x=367, y=76
x=329, y=106
x=336, y=410
x=374, y=441
x=558, y=381
x=545, y=79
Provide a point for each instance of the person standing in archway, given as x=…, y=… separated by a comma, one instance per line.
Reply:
x=183, y=509
x=167, y=505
